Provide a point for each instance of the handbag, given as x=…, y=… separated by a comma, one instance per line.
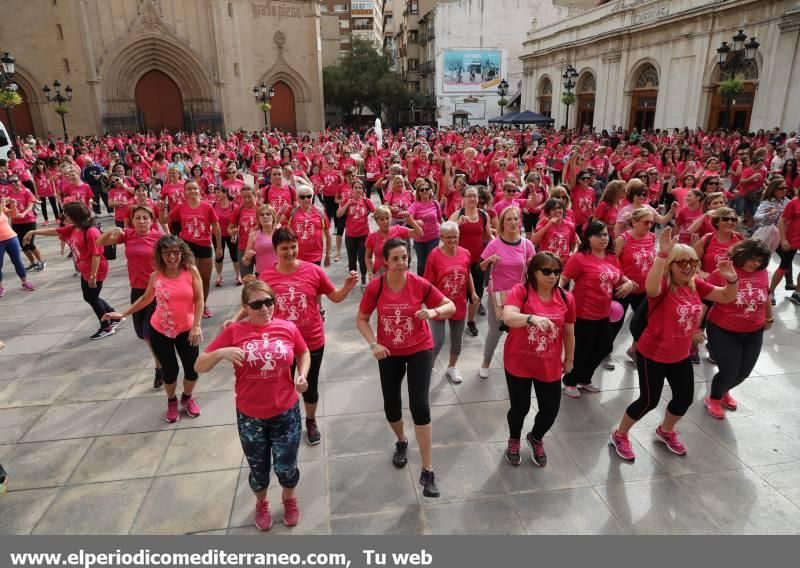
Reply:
x=769, y=235
x=110, y=252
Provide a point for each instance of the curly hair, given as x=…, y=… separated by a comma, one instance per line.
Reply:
x=171, y=241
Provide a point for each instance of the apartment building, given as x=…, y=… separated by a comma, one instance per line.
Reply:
x=356, y=18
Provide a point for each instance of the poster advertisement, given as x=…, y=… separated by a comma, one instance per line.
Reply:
x=469, y=71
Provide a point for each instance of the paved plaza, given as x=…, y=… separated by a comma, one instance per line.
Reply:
x=83, y=436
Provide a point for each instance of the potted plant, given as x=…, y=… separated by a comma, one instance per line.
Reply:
x=568, y=99
x=731, y=88
x=62, y=110
x=265, y=107
x=9, y=98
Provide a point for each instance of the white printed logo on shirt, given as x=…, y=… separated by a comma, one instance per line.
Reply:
x=607, y=278
x=689, y=316
x=196, y=228
x=750, y=299
x=453, y=284
x=558, y=245
x=543, y=340
x=398, y=327
x=643, y=259
x=305, y=229
x=265, y=354
x=162, y=299
x=291, y=304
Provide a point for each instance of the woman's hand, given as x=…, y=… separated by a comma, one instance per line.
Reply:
x=232, y=354
x=425, y=314
x=474, y=298
x=30, y=234
x=767, y=325
x=195, y=336
x=665, y=241
x=350, y=280
x=698, y=338
x=624, y=289
x=112, y=316
x=494, y=259
x=727, y=271
x=784, y=244
x=300, y=383
x=567, y=366
x=380, y=352
x=92, y=282
x=543, y=323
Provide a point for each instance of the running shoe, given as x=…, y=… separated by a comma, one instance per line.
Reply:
x=28, y=287
x=41, y=266
x=173, y=414
x=207, y=313
x=32, y=265
x=622, y=445
x=103, y=332
x=400, y=457
x=481, y=310
x=729, y=402
x=454, y=375
x=291, y=512
x=46, y=223
x=263, y=518
x=2, y=291
x=472, y=329
x=537, y=450
x=671, y=440
x=218, y=281
x=428, y=481
x=608, y=364
x=483, y=373
x=190, y=406
x=714, y=408
x=312, y=432
x=238, y=281
x=589, y=387
x=572, y=392
x=158, y=379
x=512, y=452
x=116, y=323
x=795, y=298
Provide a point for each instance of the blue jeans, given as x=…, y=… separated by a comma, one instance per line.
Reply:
x=11, y=246
x=268, y=440
x=423, y=250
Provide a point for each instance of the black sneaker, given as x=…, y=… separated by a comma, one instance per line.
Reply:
x=41, y=267
x=428, y=481
x=481, y=310
x=116, y=323
x=772, y=299
x=158, y=379
x=32, y=266
x=537, y=450
x=512, y=452
x=103, y=332
x=472, y=329
x=312, y=432
x=400, y=457
x=795, y=298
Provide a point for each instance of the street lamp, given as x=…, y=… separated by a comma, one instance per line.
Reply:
x=743, y=52
x=569, y=78
x=60, y=100
x=502, y=90
x=263, y=96
x=7, y=69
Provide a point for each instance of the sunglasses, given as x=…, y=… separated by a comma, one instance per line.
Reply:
x=586, y=179
x=171, y=253
x=713, y=183
x=305, y=197
x=550, y=271
x=729, y=219
x=639, y=193
x=258, y=304
x=424, y=189
x=683, y=263
x=645, y=222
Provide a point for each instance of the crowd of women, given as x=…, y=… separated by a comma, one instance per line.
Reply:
x=559, y=230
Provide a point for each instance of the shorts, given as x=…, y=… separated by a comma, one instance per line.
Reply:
x=23, y=229
x=787, y=257
x=200, y=251
x=232, y=250
x=141, y=319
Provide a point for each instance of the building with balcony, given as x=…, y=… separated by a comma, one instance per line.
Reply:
x=357, y=18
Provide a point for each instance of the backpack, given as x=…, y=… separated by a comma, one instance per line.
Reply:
x=641, y=315
x=292, y=194
x=481, y=213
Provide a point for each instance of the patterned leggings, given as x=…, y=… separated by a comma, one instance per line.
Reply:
x=265, y=440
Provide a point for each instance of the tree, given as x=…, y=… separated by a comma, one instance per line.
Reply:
x=362, y=79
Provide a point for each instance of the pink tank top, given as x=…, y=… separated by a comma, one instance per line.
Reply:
x=265, y=252
x=174, y=304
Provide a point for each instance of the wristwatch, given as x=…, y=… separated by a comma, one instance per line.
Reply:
x=372, y=345
x=530, y=320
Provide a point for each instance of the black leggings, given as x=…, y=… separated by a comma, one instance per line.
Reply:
x=594, y=340
x=652, y=374
x=392, y=370
x=53, y=203
x=99, y=194
x=739, y=353
x=164, y=349
x=632, y=300
x=548, y=397
x=92, y=297
x=478, y=277
x=233, y=250
x=356, y=249
x=311, y=396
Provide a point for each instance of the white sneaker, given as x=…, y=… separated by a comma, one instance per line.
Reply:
x=589, y=387
x=608, y=364
x=483, y=373
x=572, y=392
x=454, y=375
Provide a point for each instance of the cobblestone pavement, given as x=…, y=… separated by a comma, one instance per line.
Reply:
x=83, y=437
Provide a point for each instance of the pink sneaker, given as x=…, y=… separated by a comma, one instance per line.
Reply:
x=172, y=411
x=28, y=287
x=207, y=313
x=291, y=513
x=671, y=440
x=2, y=291
x=714, y=407
x=622, y=445
x=263, y=516
x=190, y=407
x=729, y=402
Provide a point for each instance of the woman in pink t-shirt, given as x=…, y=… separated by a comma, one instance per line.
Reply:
x=736, y=330
x=610, y=202
x=403, y=347
x=539, y=349
x=554, y=232
x=263, y=351
x=224, y=208
x=244, y=221
x=312, y=228
x=374, y=244
x=9, y=243
x=45, y=190
x=259, y=252
x=448, y=268
x=177, y=288
x=355, y=207
x=22, y=205
x=598, y=279
x=713, y=247
x=675, y=308
x=428, y=214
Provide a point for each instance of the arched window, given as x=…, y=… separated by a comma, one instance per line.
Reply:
x=586, y=89
x=545, y=97
x=645, y=97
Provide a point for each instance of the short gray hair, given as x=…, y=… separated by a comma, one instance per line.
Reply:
x=302, y=189
x=448, y=226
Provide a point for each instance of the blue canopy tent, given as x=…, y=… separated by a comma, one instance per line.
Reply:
x=505, y=119
x=528, y=117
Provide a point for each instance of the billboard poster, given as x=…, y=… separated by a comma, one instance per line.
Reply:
x=470, y=71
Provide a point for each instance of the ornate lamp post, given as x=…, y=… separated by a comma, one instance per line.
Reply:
x=263, y=96
x=742, y=53
x=60, y=101
x=502, y=90
x=7, y=70
x=568, y=79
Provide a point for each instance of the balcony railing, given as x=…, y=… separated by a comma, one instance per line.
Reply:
x=426, y=67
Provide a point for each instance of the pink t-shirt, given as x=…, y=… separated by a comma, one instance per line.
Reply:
x=684, y=220
x=357, y=217
x=174, y=304
x=139, y=255
x=791, y=217
x=83, y=245
x=247, y=221
x=44, y=187
x=595, y=280
x=606, y=213
x=637, y=257
x=398, y=328
x=264, y=384
x=450, y=274
x=375, y=243
x=281, y=198
x=513, y=264
x=582, y=203
x=674, y=317
x=559, y=239
x=195, y=223
x=234, y=187
x=309, y=227
x=296, y=299
x=401, y=200
x=123, y=195
x=173, y=195
x=23, y=197
x=224, y=215
x=748, y=312
x=716, y=251
x=81, y=192
x=529, y=351
x=428, y=216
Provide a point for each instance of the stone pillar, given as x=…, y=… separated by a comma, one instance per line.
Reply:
x=609, y=91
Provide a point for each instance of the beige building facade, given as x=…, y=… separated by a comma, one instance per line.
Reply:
x=176, y=64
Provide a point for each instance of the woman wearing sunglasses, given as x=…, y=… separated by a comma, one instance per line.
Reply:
x=427, y=212
x=539, y=349
x=713, y=247
x=355, y=207
x=636, y=193
x=674, y=296
x=583, y=198
x=177, y=288
x=264, y=351
x=311, y=226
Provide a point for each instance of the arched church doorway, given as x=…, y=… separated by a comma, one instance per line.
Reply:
x=159, y=103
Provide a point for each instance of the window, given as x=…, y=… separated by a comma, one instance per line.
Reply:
x=412, y=36
x=388, y=21
x=65, y=62
x=361, y=6
x=236, y=69
x=230, y=9
x=323, y=8
x=362, y=23
x=344, y=40
x=340, y=8
x=413, y=64
x=59, y=31
x=344, y=24
x=413, y=7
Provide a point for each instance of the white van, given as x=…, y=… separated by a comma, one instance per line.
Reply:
x=5, y=142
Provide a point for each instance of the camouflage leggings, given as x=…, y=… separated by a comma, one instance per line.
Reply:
x=265, y=440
